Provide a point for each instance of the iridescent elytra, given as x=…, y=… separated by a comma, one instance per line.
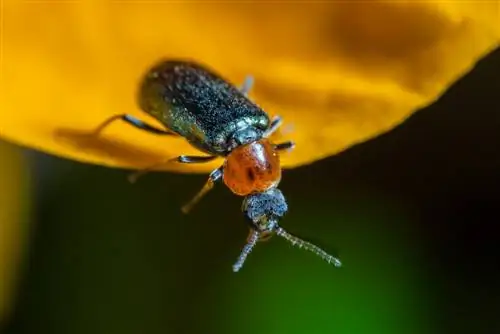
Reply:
x=220, y=120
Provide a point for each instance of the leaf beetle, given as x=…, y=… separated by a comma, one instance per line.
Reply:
x=219, y=119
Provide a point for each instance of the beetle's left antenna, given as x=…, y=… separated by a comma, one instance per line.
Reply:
x=296, y=241
x=252, y=240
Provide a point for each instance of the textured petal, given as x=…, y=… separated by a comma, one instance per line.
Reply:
x=339, y=73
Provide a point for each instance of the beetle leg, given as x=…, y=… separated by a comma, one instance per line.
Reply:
x=186, y=159
x=215, y=176
x=275, y=124
x=288, y=145
x=134, y=122
x=247, y=85
x=194, y=159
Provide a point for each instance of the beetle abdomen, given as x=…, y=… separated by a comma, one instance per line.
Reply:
x=198, y=104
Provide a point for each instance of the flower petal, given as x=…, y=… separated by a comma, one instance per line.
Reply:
x=339, y=73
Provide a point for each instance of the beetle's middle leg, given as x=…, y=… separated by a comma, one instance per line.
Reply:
x=275, y=124
x=185, y=159
x=247, y=85
x=129, y=119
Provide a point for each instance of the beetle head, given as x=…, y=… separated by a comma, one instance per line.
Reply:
x=263, y=211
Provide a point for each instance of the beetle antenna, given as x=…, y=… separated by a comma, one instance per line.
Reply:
x=296, y=241
x=252, y=240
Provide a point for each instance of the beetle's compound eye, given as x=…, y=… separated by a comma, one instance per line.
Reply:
x=264, y=210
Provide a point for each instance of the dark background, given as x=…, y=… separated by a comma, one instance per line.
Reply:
x=413, y=214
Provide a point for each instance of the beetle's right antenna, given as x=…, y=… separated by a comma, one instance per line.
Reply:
x=296, y=241
x=252, y=240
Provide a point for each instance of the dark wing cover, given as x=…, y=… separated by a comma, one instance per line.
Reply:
x=198, y=104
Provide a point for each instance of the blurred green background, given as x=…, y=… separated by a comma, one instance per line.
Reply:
x=413, y=215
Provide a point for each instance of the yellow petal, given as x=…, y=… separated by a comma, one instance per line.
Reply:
x=339, y=73
x=12, y=228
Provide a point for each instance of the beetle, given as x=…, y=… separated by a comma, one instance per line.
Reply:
x=192, y=101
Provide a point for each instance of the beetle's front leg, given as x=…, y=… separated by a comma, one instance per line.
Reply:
x=288, y=145
x=215, y=176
